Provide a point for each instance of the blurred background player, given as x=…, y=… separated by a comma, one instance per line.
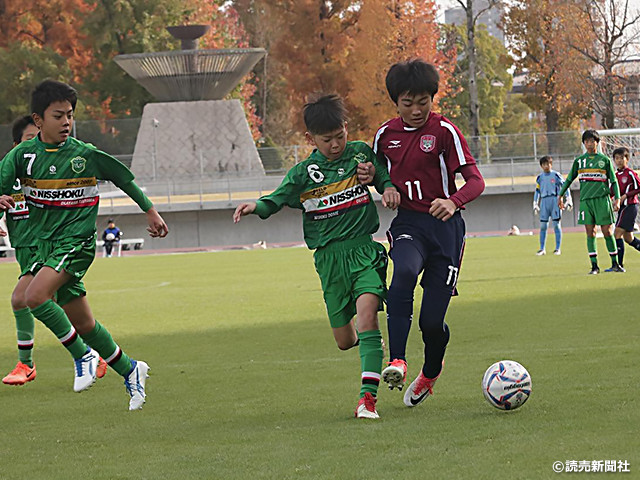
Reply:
x=596, y=175
x=629, y=185
x=548, y=185
x=51, y=165
x=424, y=151
x=339, y=220
x=110, y=237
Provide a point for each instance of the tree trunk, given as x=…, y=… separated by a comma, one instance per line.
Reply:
x=474, y=128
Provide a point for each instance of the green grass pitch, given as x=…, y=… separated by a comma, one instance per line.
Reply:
x=247, y=383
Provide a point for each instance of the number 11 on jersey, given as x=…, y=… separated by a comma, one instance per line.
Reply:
x=409, y=185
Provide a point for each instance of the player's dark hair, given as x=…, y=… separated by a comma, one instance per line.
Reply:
x=591, y=134
x=50, y=91
x=622, y=151
x=545, y=159
x=324, y=113
x=413, y=77
x=19, y=126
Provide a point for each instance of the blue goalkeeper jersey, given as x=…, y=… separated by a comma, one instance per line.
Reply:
x=548, y=185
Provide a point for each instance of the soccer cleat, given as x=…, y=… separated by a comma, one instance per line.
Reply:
x=557, y=252
x=134, y=383
x=86, y=370
x=419, y=390
x=20, y=375
x=101, y=371
x=367, y=407
x=395, y=374
x=541, y=252
x=616, y=268
x=594, y=271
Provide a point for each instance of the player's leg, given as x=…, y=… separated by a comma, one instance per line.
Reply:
x=544, y=225
x=25, y=370
x=408, y=263
x=439, y=282
x=625, y=227
x=556, y=216
x=607, y=231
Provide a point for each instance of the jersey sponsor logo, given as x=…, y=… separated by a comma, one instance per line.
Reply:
x=335, y=199
x=52, y=170
x=427, y=143
x=78, y=164
x=71, y=193
x=341, y=171
x=20, y=211
x=404, y=236
x=394, y=144
x=592, y=175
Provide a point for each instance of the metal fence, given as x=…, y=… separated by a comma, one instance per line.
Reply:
x=507, y=156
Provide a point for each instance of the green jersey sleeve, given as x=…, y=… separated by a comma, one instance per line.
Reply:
x=381, y=179
x=110, y=168
x=287, y=193
x=573, y=173
x=9, y=171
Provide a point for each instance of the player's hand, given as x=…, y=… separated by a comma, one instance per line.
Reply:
x=391, y=198
x=616, y=204
x=623, y=198
x=2, y=233
x=569, y=205
x=536, y=208
x=366, y=171
x=6, y=202
x=561, y=203
x=242, y=210
x=157, y=228
x=443, y=209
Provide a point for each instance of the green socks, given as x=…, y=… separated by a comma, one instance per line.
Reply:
x=57, y=321
x=370, y=360
x=25, y=326
x=100, y=340
x=612, y=249
x=591, y=248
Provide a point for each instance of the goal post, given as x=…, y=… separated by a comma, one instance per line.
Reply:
x=621, y=137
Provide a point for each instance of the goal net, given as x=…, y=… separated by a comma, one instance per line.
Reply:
x=621, y=137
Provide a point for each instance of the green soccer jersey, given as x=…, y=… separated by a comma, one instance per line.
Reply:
x=595, y=172
x=60, y=185
x=336, y=207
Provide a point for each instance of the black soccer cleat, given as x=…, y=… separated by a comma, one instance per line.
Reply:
x=594, y=271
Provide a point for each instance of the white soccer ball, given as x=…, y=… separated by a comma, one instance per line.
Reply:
x=506, y=385
x=110, y=237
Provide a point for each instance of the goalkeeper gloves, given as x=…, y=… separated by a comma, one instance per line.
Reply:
x=536, y=208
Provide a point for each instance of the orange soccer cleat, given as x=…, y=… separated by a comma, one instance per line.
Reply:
x=20, y=375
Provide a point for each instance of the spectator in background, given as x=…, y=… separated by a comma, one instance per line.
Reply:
x=111, y=236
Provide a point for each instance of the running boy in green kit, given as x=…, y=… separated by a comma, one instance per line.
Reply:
x=339, y=218
x=59, y=176
x=597, y=178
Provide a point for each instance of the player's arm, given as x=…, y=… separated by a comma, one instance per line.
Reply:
x=444, y=208
x=636, y=185
x=113, y=170
x=382, y=183
x=287, y=193
x=536, y=196
x=573, y=173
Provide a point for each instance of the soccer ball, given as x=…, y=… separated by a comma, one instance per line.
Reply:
x=110, y=237
x=506, y=385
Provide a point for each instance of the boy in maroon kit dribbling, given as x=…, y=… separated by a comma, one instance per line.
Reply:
x=423, y=151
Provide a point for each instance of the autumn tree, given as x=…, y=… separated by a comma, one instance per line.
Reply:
x=614, y=31
x=539, y=32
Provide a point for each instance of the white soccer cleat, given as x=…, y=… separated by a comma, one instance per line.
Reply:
x=557, y=252
x=135, y=382
x=419, y=390
x=395, y=374
x=367, y=407
x=86, y=367
x=541, y=252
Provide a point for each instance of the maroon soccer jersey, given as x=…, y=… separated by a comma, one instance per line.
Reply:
x=423, y=161
x=629, y=184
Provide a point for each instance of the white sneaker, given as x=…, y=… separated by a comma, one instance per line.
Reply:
x=419, y=390
x=135, y=382
x=541, y=252
x=86, y=371
x=557, y=252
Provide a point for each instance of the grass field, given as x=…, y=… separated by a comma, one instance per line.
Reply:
x=247, y=382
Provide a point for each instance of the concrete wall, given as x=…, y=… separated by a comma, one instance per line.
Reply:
x=211, y=224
